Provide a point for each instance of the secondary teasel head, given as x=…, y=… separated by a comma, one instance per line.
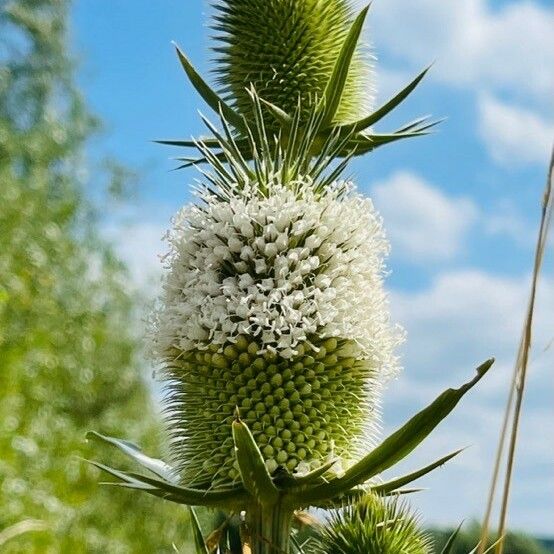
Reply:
x=273, y=304
x=375, y=525
x=287, y=50
x=303, y=60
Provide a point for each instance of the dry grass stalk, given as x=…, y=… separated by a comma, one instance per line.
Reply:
x=517, y=389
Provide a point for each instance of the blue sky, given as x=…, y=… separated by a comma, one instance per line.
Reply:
x=461, y=207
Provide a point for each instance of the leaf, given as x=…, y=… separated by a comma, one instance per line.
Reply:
x=158, y=467
x=210, y=142
x=390, y=486
x=398, y=492
x=199, y=543
x=398, y=445
x=255, y=476
x=335, y=87
x=362, y=144
x=182, y=495
x=207, y=93
x=489, y=549
x=280, y=115
x=381, y=112
x=451, y=539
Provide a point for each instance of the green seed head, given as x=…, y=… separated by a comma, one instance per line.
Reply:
x=374, y=526
x=316, y=417
x=287, y=50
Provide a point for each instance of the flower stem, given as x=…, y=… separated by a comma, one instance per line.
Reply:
x=269, y=528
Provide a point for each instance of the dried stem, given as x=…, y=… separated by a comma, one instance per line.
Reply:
x=517, y=388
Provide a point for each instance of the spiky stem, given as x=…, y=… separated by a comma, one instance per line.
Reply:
x=269, y=528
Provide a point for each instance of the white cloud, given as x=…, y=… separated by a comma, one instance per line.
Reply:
x=507, y=220
x=472, y=315
x=423, y=224
x=513, y=134
x=462, y=318
x=511, y=47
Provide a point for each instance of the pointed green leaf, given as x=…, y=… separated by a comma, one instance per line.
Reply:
x=199, y=543
x=378, y=114
x=280, y=115
x=361, y=144
x=395, y=484
x=398, y=492
x=422, y=124
x=158, y=467
x=122, y=475
x=335, y=86
x=255, y=476
x=451, y=540
x=489, y=549
x=193, y=497
x=208, y=94
x=398, y=445
x=210, y=142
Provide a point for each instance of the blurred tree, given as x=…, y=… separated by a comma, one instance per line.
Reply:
x=67, y=346
x=516, y=543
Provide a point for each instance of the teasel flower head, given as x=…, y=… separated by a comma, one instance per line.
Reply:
x=375, y=525
x=287, y=50
x=273, y=331
x=273, y=303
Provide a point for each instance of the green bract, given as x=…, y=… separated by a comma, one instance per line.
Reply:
x=313, y=73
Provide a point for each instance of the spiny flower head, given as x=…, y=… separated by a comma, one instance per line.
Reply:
x=273, y=303
x=287, y=50
x=374, y=526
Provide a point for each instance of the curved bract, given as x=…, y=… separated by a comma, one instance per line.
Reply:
x=331, y=104
x=286, y=50
x=320, y=488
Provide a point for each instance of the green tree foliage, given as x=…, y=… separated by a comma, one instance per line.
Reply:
x=516, y=543
x=67, y=350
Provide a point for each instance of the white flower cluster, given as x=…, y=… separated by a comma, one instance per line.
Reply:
x=282, y=269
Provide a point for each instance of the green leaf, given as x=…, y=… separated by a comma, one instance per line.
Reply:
x=280, y=115
x=399, y=492
x=210, y=142
x=255, y=476
x=451, y=540
x=335, y=87
x=361, y=144
x=158, y=467
x=199, y=543
x=183, y=495
x=398, y=445
x=489, y=549
x=208, y=94
x=378, y=114
x=395, y=484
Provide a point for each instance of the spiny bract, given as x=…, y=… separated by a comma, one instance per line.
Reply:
x=373, y=526
x=274, y=303
x=287, y=50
